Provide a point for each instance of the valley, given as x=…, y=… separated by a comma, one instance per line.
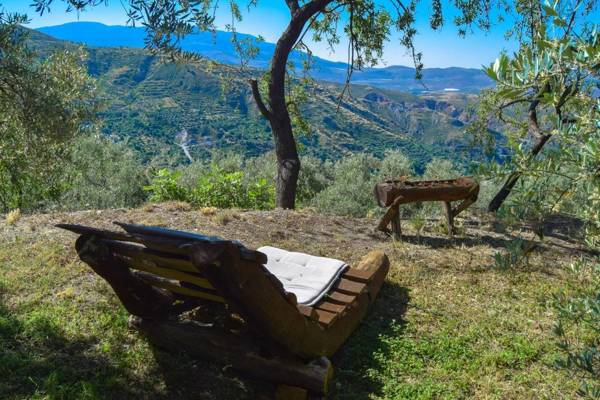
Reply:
x=148, y=102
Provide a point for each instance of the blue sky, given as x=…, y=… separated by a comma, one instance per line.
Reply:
x=440, y=49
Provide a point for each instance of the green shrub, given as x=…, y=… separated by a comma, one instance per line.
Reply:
x=439, y=168
x=103, y=174
x=351, y=192
x=315, y=176
x=212, y=187
x=578, y=328
x=394, y=165
x=165, y=186
x=222, y=189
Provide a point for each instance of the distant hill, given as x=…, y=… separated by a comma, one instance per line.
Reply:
x=218, y=47
x=149, y=102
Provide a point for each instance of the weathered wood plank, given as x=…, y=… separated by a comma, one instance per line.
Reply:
x=340, y=298
x=99, y=233
x=143, y=254
x=326, y=317
x=188, y=237
x=165, y=272
x=376, y=264
x=350, y=287
x=357, y=275
x=308, y=312
x=331, y=307
x=175, y=287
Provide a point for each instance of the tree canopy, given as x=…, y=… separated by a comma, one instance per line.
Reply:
x=43, y=105
x=546, y=102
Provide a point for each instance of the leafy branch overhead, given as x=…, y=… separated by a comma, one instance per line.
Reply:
x=547, y=93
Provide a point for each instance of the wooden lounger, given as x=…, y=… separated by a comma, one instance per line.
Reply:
x=261, y=330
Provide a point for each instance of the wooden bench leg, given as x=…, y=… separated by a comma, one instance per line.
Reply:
x=396, y=225
x=449, y=217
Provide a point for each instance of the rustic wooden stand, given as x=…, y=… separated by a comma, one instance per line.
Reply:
x=256, y=327
x=394, y=193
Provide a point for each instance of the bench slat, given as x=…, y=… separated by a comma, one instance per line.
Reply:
x=358, y=275
x=188, y=237
x=143, y=254
x=331, y=307
x=326, y=317
x=175, y=288
x=308, y=312
x=100, y=233
x=340, y=298
x=165, y=272
x=349, y=287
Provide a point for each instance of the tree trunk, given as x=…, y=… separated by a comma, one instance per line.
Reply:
x=288, y=162
x=541, y=140
x=513, y=178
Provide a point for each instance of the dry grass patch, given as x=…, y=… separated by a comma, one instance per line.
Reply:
x=12, y=217
x=223, y=217
x=208, y=211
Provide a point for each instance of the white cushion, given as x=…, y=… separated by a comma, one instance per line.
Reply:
x=308, y=277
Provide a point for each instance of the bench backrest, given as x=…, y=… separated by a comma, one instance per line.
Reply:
x=163, y=256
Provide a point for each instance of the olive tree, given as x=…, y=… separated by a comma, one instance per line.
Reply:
x=546, y=102
x=367, y=24
x=43, y=105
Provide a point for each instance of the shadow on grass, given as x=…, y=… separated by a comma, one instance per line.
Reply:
x=186, y=377
x=194, y=378
x=467, y=241
x=357, y=364
x=37, y=361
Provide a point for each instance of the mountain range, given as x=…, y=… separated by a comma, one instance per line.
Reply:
x=218, y=46
x=149, y=103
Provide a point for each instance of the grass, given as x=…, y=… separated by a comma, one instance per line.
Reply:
x=13, y=216
x=446, y=324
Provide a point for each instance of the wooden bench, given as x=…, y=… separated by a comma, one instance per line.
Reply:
x=394, y=193
x=257, y=327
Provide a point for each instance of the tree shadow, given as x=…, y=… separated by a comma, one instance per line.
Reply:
x=437, y=242
x=356, y=361
x=193, y=378
x=36, y=360
x=186, y=377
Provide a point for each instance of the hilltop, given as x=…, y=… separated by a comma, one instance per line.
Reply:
x=447, y=324
x=218, y=46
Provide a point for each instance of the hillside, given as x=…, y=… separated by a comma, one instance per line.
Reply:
x=148, y=102
x=446, y=325
x=218, y=47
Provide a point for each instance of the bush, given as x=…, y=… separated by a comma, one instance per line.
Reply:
x=315, y=176
x=351, y=192
x=394, y=165
x=212, y=187
x=578, y=328
x=103, y=174
x=222, y=189
x=165, y=186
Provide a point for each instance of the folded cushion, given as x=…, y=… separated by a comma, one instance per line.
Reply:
x=308, y=277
